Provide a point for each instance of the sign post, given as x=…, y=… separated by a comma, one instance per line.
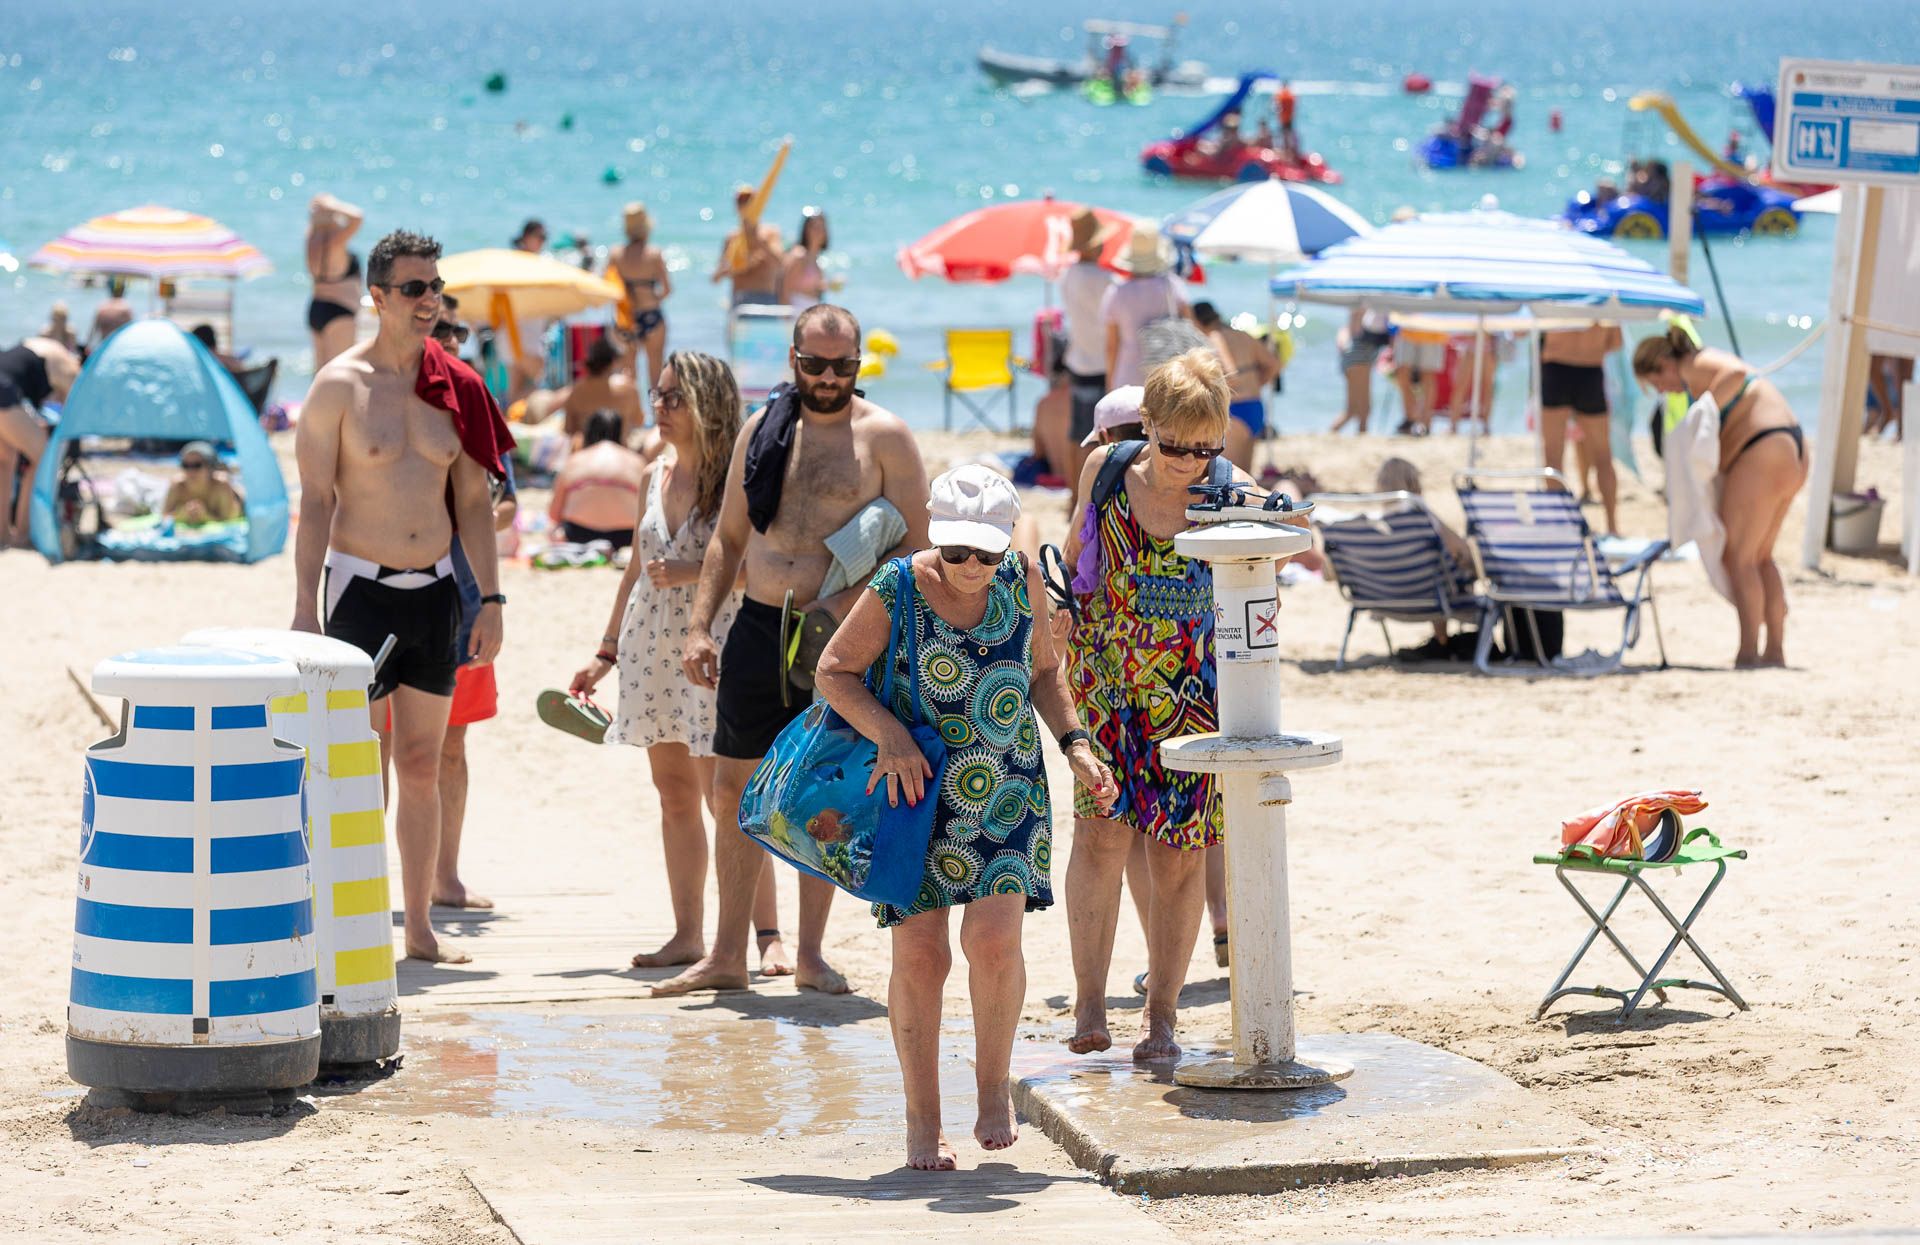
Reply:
x=1857, y=125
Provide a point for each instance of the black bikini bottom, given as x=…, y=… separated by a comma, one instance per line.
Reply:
x=1792, y=430
x=321, y=313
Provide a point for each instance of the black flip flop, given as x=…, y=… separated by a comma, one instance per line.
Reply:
x=1059, y=581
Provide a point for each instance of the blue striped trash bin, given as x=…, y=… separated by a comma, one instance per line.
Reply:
x=193, y=961
x=346, y=835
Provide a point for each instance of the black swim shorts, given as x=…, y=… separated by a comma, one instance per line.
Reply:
x=1570, y=384
x=1086, y=392
x=420, y=609
x=747, y=709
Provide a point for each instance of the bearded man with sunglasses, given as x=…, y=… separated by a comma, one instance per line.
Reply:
x=395, y=448
x=803, y=466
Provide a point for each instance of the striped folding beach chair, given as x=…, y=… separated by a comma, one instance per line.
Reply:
x=1390, y=562
x=1537, y=553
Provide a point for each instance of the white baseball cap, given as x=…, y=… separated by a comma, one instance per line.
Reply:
x=973, y=505
x=1122, y=406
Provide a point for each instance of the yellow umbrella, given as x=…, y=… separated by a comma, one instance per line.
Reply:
x=516, y=285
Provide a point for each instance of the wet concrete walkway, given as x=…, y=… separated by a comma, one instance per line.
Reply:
x=773, y=1112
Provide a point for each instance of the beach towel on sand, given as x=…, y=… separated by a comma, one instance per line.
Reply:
x=1621, y=829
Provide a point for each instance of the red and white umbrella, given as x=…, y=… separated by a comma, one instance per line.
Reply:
x=1026, y=238
x=154, y=242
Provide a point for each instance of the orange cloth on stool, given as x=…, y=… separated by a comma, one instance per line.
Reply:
x=1618, y=829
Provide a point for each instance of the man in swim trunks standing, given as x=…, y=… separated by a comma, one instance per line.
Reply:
x=1573, y=383
x=380, y=467
x=1251, y=367
x=843, y=453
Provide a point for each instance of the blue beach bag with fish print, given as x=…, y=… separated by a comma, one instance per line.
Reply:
x=807, y=801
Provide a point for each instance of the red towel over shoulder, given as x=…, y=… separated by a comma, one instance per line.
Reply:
x=449, y=384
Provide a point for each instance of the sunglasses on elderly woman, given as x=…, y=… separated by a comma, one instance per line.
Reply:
x=415, y=288
x=1204, y=453
x=815, y=365
x=955, y=555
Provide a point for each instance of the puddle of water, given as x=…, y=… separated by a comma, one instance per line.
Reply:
x=762, y=1077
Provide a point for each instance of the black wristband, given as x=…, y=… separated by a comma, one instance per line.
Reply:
x=1073, y=737
x=494, y=598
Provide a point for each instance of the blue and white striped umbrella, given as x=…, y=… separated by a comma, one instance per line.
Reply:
x=1487, y=263
x=1273, y=222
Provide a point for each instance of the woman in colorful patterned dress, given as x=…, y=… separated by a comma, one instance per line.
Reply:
x=984, y=668
x=1141, y=667
x=697, y=406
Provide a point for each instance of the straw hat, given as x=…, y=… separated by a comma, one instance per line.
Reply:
x=1147, y=254
x=635, y=220
x=1089, y=235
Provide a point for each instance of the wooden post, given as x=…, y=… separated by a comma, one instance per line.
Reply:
x=1680, y=221
x=1843, y=379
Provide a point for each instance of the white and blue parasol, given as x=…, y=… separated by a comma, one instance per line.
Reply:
x=1271, y=222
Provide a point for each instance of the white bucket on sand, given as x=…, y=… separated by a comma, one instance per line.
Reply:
x=1856, y=522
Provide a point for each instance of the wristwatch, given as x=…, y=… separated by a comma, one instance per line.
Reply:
x=1073, y=737
x=494, y=598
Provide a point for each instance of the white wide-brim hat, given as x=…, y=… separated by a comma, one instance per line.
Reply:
x=1148, y=254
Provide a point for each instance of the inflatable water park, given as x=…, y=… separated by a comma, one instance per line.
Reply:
x=1221, y=148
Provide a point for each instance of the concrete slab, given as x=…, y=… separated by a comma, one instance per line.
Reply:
x=1407, y=1109
x=850, y=1196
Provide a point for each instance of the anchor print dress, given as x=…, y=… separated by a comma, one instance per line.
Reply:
x=993, y=831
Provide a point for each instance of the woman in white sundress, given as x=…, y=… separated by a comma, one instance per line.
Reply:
x=697, y=406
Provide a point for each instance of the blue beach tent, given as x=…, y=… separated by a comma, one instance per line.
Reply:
x=152, y=381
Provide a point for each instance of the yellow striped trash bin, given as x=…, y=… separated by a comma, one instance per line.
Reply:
x=353, y=912
x=193, y=962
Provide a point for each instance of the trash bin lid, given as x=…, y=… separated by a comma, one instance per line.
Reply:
x=199, y=674
x=340, y=662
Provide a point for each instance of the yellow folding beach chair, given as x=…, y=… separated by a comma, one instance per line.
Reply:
x=979, y=365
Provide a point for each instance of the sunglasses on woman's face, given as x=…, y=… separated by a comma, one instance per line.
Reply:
x=198, y=464
x=955, y=555
x=669, y=399
x=1204, y=453
x=816, y=365
x=414, y=289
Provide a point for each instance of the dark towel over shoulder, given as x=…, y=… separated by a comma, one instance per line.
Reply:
x=450, y=385
x=766, y=470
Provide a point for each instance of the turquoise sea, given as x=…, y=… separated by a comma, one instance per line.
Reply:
x=244, y=110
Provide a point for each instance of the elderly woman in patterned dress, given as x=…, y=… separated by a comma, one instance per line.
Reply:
x=984, y=668
x=697, y=406
x=1142, y=670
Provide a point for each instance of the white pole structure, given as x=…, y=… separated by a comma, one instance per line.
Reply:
x=1250, y=757
x=1680, y=222
x=1843, y=382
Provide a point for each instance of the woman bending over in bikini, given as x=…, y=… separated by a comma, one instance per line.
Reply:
x=1763, y=463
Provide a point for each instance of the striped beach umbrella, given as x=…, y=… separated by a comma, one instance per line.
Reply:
x=152, y=241
x=1272, y=222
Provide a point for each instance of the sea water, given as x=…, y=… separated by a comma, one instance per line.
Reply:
x=244, y=110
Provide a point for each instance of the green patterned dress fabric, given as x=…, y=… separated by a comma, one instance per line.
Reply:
x=993, y=833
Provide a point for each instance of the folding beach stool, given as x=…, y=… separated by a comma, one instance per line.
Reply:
x=1700, y=847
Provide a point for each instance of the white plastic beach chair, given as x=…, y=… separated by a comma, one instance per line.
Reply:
x=1537, y=553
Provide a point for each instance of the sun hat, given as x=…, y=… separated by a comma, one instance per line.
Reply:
x=973, y=505
x=1122, y=406
x=203, y=448
x=1147, y=254
x=1089, y=235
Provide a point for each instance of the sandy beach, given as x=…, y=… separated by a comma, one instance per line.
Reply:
x=541, y=1071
